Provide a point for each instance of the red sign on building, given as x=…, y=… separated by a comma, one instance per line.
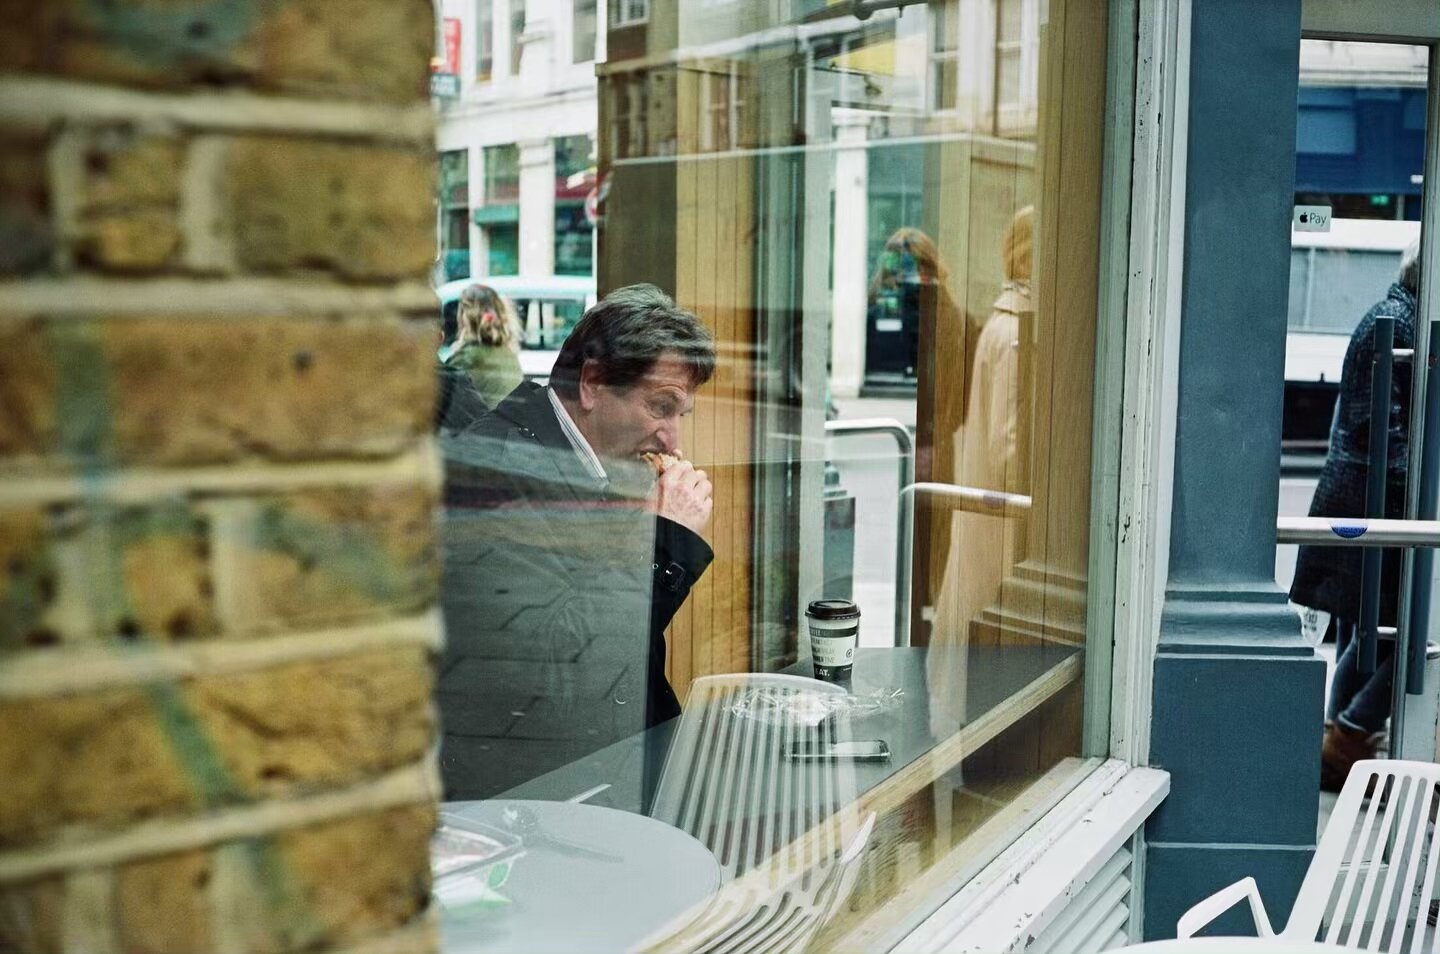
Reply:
x=452, y=45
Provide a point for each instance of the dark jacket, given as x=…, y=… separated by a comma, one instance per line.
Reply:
x=557, y=593
x=495, y=371
x=1328, y=578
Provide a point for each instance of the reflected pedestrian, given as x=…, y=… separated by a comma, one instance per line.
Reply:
x=988, y=456
x=487, y=344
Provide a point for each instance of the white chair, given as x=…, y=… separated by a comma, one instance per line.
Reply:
x=788, y=834
x=1372, y=880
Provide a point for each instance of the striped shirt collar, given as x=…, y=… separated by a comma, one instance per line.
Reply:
x=582, y=447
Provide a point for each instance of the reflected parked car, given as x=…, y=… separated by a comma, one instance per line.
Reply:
x=547, y=307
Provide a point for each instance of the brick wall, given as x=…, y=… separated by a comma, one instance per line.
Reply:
x=217, y=563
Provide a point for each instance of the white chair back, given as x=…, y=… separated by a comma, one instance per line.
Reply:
x=1373, y=877
x=788, y=834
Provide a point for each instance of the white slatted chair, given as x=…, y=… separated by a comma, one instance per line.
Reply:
x=788, y=835
x=1372, y=879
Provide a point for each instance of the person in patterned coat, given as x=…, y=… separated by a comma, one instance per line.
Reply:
x=1328, y=578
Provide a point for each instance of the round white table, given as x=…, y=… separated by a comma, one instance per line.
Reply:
x=1233, y=945
x=564, y=900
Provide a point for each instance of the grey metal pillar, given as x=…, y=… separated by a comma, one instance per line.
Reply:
x=1237, y=694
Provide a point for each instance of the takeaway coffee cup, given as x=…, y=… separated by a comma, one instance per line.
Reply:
x=834, y=633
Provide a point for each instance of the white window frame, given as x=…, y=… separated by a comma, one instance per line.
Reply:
x=626, y=14
x=1020, y=892
x=567, y=42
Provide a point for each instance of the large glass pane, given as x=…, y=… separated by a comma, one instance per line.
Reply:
x=1360, y=152
x=851, y=292
x=1355, y=268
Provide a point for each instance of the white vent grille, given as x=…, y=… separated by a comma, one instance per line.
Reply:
x=1095, y=919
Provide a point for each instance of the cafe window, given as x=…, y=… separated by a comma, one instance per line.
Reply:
x=484, y=40
x=574, y=183
x=454, y=207
x=852, y=658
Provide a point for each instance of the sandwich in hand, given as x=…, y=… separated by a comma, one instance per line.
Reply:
x=660, y=462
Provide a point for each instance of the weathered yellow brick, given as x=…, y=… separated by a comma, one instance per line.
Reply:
x=317, y=724
x=162, y=905
x=124, y=168
x=118, y=756
x=26, y=237
x=101, y=759
x=127, y=217
x=329, y=556
x=77, y=574
x=369, y=49
x=29, y=421
x=202, y=390
x=32, y=916
x=161, y=554
x=28, y=581
x=139, y=240
x=379, y=890
x=361, y=49
x=207, y=391
x=364, y=212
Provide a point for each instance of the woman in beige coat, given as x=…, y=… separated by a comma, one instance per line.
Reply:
x=983, y=547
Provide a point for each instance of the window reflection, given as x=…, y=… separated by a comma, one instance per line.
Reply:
x=818, y=242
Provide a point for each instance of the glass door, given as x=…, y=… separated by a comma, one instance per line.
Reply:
x=1365, y=153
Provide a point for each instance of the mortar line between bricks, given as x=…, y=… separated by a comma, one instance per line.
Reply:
x=208, y=298
x=38, y=102
x=419, y=465
x=48, y=672
x=418, y=783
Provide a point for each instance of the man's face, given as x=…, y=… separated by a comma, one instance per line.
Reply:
x=623, y=423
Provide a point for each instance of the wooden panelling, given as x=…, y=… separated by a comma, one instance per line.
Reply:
x=714, y=246
x=992, y=579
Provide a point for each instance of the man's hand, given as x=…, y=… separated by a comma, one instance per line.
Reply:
x=684, y=494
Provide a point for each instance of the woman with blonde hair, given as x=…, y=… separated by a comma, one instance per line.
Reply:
x=487, y=343
x=989, y=456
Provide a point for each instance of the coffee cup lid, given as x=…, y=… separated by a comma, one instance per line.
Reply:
x=833, y=609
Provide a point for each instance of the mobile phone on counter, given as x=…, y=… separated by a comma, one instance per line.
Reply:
x=860, y=750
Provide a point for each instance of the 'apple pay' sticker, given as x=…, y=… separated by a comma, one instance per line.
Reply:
x=1312, y=218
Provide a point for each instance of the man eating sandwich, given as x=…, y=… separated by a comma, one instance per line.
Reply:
x=588, y=523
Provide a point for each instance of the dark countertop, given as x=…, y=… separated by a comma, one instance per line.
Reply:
x=995, y=675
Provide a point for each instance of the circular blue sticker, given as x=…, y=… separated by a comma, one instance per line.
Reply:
x=1348, y=531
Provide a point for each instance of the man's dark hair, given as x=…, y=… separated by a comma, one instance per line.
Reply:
x=625, y=333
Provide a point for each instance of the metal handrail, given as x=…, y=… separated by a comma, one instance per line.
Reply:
x=1382, y=367
x=905, y=527
x=992, y=503
x=1357, y=532
x=1411, y=665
